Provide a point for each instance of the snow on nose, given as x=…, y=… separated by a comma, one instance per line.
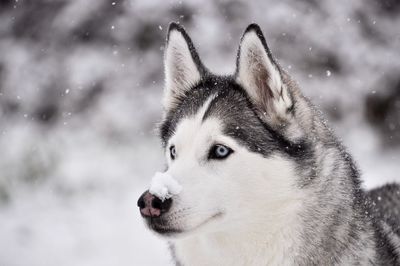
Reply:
x=164, y=186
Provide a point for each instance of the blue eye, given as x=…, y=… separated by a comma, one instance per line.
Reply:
x=219, y=152
x=172, y=152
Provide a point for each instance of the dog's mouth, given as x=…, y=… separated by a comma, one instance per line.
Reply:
x=161, y=225
x=162, y=228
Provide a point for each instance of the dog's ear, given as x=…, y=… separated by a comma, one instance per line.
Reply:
x=182, y=65
x=258, y=73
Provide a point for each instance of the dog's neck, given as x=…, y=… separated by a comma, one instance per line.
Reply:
x=236, y=249
x=277, y=244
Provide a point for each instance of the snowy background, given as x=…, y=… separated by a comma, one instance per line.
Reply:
x=80, y=87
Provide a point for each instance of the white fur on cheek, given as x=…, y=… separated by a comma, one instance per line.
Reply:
x=181, y=71
x=261, y=206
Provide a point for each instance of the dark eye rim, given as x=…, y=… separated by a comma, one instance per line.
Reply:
x=212, y=154
x=172, y=154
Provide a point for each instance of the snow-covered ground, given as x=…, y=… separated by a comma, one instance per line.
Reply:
x=80, y=91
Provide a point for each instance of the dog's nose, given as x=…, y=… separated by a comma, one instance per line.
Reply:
x=151, y=206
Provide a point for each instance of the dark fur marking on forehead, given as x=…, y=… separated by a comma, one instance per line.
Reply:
x=188, y=105
x=193, y=99
x=226, y=88
x=240, y=121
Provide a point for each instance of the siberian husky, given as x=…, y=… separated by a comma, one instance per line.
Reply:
x=254, y=175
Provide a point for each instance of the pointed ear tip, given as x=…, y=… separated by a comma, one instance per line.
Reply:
x=175, y=26
x=253, y=27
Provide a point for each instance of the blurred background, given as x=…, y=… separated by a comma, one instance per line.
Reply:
x=80, y=90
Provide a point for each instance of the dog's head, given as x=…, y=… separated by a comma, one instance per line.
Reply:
x=233, y=143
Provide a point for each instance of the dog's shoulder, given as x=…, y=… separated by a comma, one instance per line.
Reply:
x=386, y=201
x=385, y=204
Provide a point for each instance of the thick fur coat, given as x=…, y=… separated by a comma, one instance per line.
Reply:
x=265, y=181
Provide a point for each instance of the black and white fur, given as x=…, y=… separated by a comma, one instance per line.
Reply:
x=288, y=194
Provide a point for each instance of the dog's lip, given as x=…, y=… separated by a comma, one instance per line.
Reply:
x=212, y=217
x=162, y=229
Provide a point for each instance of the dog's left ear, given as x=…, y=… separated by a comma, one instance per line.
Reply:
x=258, y=73
x=182, y=65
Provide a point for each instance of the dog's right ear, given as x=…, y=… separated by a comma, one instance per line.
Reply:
x=182, y=65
